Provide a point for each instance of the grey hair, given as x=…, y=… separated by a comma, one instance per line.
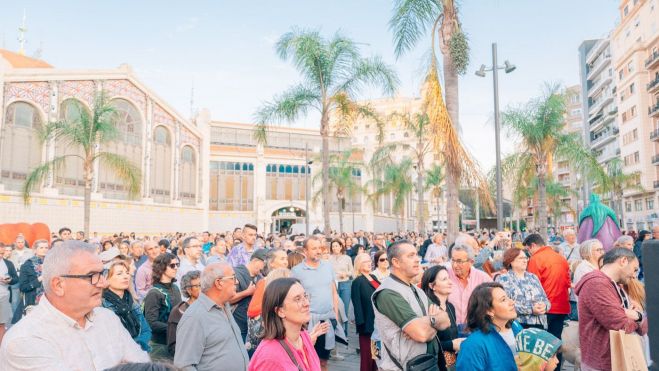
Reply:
x=211, y=273
x=271, y=256
x=587, y=247
x=59, y=259
x=462, y=246
x=623, y=239
x=186, y=280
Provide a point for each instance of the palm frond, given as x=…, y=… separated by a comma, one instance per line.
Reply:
x=306, y=49
x=124, y=169
x=39, y=174
x=371, y=71
x=410, y=22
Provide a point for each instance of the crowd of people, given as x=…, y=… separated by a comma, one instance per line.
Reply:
x=241, y=300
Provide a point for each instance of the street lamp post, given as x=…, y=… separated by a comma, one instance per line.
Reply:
x=508, y=68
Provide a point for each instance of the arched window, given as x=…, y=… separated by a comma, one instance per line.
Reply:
x=188, y=176
x=161, y=165
x=69, y=179
x=21, y=146
x=128, y=144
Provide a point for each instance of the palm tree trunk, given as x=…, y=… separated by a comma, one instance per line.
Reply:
x=542, y=203
x=89, y=175
x=421, y=226
x=340, y=215
x=453, y=175
x=438, y=196
x=324, y=132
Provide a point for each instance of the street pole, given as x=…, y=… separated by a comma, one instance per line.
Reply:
x=478, y=211
x=306, y=188
x=497, y=130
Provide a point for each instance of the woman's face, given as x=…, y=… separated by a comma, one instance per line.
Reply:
x=107, y=245
x=503, y=307
x=194, y=289
x=336, y=248
x=596, y=252
x=365, y=266
x=383, y=263
x=295, y=308
x=520, y=263
x=279, y=260
x=172, y=268
x=123, y=249
x=442, y=285
x=552, y=363
x=120, y=278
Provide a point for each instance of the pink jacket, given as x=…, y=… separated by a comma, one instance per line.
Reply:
x=459, y=297
x=271, y=356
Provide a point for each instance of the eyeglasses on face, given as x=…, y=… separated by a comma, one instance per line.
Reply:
x=382, y=259
x=233, y=278
x=455, y=261
x=174, y=265
x=301, y=299
x=92, y=277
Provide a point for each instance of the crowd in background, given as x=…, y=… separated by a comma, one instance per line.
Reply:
x=245, y=300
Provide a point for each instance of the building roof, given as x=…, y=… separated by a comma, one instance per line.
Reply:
x=20, y=61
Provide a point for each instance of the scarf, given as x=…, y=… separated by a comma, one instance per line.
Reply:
x=122, y=307
x=37, y=264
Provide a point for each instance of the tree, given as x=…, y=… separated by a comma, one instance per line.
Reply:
x=616, y=182
x=89, y=134
x=410, y=21
x=341, y=180
x=395, y=180
x=538, y=126
x=333, y=73
x=435, y=182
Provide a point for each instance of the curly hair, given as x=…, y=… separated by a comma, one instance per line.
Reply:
x=160, y=266
x=480, y=302
x=186, y=281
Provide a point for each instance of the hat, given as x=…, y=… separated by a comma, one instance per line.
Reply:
x=535, y=347
x=109, y=254
x=261, y=254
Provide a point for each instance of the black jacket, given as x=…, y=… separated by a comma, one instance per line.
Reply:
x=28, y=283
x=361, y=292
x=158, y=306
x=11, y=271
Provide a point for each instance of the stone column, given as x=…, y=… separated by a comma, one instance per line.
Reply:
x=147, y=163
x=177, y=164
x=260, y=184
x=52, y=115
x=203, y=124
x=97, y=147
x=2, y=116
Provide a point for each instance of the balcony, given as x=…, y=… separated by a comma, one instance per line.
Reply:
x=596, y=50
x=601, y=83
x=653, y=61
x=654, y=111
x=654, y=135
x=597, y=68
x=597, y=105
x=656, y=184
x=603, y=138
x=653, y=86
x=655, y=160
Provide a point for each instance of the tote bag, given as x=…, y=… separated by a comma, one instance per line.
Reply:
x=626, y=352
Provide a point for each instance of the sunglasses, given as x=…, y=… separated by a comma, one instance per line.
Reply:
x=382, y=259
x=174, y=265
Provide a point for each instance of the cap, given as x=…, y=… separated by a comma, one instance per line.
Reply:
x=535, y=347
x=109, y=254
x=261, y=254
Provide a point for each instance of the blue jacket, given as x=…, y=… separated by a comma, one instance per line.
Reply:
x=487, y=352
x=145, y=331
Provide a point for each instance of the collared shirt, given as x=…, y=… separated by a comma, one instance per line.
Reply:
x=526, y=291
x=208, y=338
x=143, y=279
x=47, y=339
x=570, y=252
x=317, y=283
x=187, y=266
x=239, y=255
x=459, y=297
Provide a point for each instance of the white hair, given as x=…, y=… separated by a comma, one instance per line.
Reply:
x=211, y=273
x=622, y=240
x=587, y=247
x=59, y=259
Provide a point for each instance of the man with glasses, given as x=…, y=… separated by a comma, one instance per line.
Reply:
x=69, y=330
x=464, y=276
x=379, y=244
x=191, y=261
x=208, y=337
x=604, y=306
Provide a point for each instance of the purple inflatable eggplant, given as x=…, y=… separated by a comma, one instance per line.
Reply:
x=600, y=222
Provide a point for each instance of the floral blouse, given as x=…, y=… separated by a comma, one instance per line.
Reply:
x=525, y=291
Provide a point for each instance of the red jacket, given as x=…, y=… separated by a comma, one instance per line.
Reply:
x=600, y=310
x=554, y=274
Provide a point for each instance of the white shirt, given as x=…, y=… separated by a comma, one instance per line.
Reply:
x=18, y=257
x=4, y=271
x=187, y=266
x=48, y=340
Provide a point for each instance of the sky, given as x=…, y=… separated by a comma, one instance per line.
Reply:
x=225, y=49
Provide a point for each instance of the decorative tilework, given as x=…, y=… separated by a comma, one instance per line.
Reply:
x=126, y=89
x=161, y=117
x=83, y=90
x=37, y=92
x=187, y=137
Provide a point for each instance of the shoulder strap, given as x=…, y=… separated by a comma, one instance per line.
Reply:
x=290, y=354
x=393, y=358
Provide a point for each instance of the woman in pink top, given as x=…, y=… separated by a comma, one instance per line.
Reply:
x=286, y=346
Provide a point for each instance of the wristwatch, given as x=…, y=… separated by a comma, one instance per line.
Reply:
x=640, y=317
x=433, y=321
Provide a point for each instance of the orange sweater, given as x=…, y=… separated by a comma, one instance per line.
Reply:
x=254, y=309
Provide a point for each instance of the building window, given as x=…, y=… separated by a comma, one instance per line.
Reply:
x=621, y=74
x=630, y=66
x=632, y=111
x=632, y=88
x=231, y=186
x=625, y=11
x=628, y=207
x=638, y=205
x=649, y=203
x=285, y=182
x=161, y=165
x=20, y=144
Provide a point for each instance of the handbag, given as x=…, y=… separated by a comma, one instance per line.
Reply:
x=626, y=352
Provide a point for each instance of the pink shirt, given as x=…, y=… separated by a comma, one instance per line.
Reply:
x=459, y=297
x=271, y=356
x=143, y=280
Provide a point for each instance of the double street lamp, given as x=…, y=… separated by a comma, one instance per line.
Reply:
x=508, y=68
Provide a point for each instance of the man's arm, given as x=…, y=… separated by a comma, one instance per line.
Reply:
x=394, y=306
x=190, y=339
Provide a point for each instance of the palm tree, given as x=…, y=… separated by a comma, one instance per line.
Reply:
x=410, y=21
x=395, y=179
x=333, y=73
x=89, y=134
x=539, y=127
x=616, y=182
x=434, y=182
x=341, y=180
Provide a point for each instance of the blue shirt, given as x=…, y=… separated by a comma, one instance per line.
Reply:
x=487, y=352
x=317, y=283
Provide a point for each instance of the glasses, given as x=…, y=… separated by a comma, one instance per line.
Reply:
x=599, y=250
x=193, y=286
x=93, y=277
x=459, y=262
x=174, y=265
x=195, y=245
x=301, y=299
x=382, y=260
x=234, y=278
